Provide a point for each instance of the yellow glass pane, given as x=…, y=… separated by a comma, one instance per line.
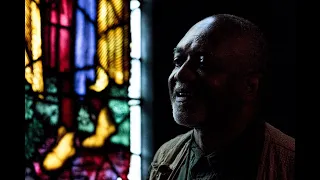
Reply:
x=118, y=55
x=27, y=21
x=101, y=82
x=104, y=129
x=63, y=151
x=102, y=52
x=111, y=18
x=126, y=54
x=101, y=16
x=113, y=45
x=33, y=70
x=111, y=49
x=118, y=5
x=37, y=84
x=29, y=75
x=36, y=31
x=26, y=60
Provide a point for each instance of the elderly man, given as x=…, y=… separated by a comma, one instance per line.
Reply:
x=214, y=90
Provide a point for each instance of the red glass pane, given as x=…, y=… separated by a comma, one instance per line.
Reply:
x=57, y=35
x=121, y=162
x=67, y=112
x=65, y=19
x=96, y=103
x=64, y=50
x=66, y=87
x=52, y=46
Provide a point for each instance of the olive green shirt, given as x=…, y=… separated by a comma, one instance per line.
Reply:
x=200, y=166
x=238, y=161
x=262, y=154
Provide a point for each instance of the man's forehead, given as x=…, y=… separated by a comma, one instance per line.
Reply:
x=214, y=44
x=190, y=48
x=210, y=36
x=195, y=38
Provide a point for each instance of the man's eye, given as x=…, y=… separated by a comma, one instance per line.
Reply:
x=177, y=62
x=201, y=62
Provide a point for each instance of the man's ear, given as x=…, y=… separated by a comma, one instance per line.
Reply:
x=252, y=86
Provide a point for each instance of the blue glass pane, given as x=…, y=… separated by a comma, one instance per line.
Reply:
x=80, y=40
x=91, y=74
x=80, y=82
x=85, y=45
x=89, y=6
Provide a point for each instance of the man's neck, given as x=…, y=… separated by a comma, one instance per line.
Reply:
x=211, y=139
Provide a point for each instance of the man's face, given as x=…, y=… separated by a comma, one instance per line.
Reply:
x=203, y=88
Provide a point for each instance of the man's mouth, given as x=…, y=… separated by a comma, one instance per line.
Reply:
x=183, y=96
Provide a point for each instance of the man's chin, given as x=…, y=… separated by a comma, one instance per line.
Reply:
x=188, y=123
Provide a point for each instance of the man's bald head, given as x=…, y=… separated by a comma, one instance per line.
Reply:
x=216, y=77
x=233, y=35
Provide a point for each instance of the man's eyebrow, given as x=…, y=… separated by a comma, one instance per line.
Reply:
x=177, y=50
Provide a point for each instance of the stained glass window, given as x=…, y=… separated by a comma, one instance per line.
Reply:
x=82, y=89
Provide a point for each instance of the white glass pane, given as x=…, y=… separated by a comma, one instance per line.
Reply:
x=135, y=79
x=135, y=168
x=135, y=129
x=134, y=4
x=135, y=33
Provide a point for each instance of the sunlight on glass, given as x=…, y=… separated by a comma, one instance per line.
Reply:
x=134, y=102
x=103, y=130
x=135, y=167
x=135, y=79
x=135, y=133
x=136, y=33
x=134, y=91
x=134, y=4
x=64, y=150
x=33, y=36
x=101, y=82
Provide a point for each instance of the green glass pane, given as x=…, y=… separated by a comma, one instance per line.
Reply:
x=123, y=135
x=119, y=109
x=84, y=122
x=52, y=89
x=50, y=84
x=28, y=107
x=52, y=99
x=48, y=112
x=27, y=87
x=29, y=148
x=28, y=102
x=33, y=135
x=117, y=91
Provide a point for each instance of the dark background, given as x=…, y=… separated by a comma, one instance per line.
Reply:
x=172, y=18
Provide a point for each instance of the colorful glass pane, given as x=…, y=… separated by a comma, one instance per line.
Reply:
x=77, y=117
x=122, y=137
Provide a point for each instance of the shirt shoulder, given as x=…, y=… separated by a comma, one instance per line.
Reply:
x=279, y=139
x=172, y=147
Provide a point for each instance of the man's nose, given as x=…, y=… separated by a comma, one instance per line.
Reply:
x=186, y=72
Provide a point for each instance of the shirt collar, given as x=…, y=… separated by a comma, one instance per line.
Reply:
x=245, y=148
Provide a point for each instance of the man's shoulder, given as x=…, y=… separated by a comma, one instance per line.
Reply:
x=172, y=147
x=175, y=142
x=169, y=155
x=278, y=158
x=279, y=139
